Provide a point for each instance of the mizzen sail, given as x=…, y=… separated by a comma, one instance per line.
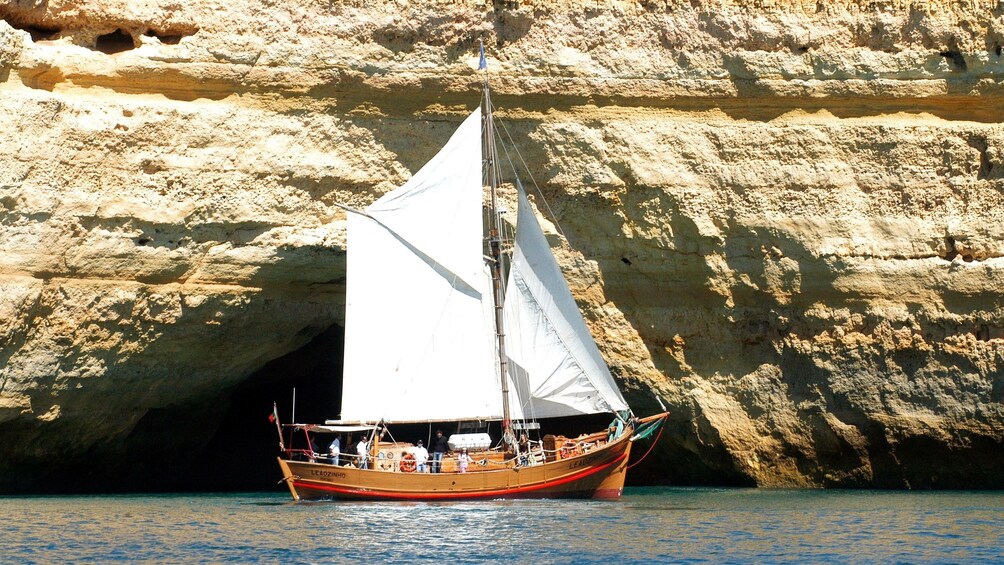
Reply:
x=554, y=365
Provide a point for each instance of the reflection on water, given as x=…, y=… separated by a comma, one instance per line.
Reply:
x=647, y=525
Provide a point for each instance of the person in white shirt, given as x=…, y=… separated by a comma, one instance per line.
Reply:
x=463, y=460
x=421, y=457
x=362, y=448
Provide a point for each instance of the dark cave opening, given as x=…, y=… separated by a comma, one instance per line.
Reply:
x=242, y=453
x=222, y=443
x=114, y=42
x=42, y=33
x=166, y=38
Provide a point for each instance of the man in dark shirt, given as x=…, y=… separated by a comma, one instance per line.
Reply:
x=439, y=449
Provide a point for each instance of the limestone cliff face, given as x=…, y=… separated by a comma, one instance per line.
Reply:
x=786, y=218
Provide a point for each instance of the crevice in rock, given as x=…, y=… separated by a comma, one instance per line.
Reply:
x=114, y=42
x=983, y=332
x=986, y=169
x=37, y=32
x=956, y=59
x=168, y=37
x=954, y=249
x=950, y=252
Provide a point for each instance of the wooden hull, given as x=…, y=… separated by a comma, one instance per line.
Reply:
x=599, y=473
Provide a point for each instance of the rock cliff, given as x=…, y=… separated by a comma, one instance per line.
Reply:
x=784, y=217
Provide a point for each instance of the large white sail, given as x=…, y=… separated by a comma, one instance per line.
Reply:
x=417, y=344
x=555, y=368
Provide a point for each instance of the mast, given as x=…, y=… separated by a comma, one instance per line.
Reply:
x=495, y=246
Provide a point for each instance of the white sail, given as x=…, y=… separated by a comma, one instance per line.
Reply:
x=418, y=346
x=555, y=368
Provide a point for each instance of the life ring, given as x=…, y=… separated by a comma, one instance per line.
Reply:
x=567, y=449
x=407, y=464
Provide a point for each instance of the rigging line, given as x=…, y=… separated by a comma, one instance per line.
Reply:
x=547, y=205
x=498, y=173
x=540, y=193
x=555, y=222
x=512, y=266
x=650, y=448
x=527, y=407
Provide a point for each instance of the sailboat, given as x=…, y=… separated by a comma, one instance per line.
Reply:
x=446, y=323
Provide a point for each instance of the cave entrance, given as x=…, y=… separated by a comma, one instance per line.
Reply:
x=241, y=455
x=114, y=42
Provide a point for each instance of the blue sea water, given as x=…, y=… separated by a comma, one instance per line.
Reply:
x=648, y=525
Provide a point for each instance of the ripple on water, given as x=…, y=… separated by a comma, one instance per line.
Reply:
x=647, y=525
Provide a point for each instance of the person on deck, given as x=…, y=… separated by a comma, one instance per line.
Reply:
x=334, y=450
x=439, y=449
x=524, y=449
x=421, y=457
x=463, y=461
x=362, y=448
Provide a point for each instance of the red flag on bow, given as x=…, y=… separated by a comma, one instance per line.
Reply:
x=274, y=417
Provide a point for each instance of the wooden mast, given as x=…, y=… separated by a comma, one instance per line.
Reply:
x=495, y=246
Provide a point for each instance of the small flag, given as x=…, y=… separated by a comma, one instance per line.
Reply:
x=483, y=63
x=274, y=418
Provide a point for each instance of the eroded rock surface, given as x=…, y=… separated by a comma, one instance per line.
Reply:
x=785, y=219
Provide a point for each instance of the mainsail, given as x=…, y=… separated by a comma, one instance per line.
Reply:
x=419, y=343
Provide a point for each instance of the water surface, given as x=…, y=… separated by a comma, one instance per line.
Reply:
x=646, y=525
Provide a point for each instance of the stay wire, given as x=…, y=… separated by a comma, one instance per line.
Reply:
x=526, y=408
x=537, y=190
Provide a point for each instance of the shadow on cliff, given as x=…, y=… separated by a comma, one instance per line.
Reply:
x=851, y=404
x=222, y=443
x=642, y=294
x=821, y=407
